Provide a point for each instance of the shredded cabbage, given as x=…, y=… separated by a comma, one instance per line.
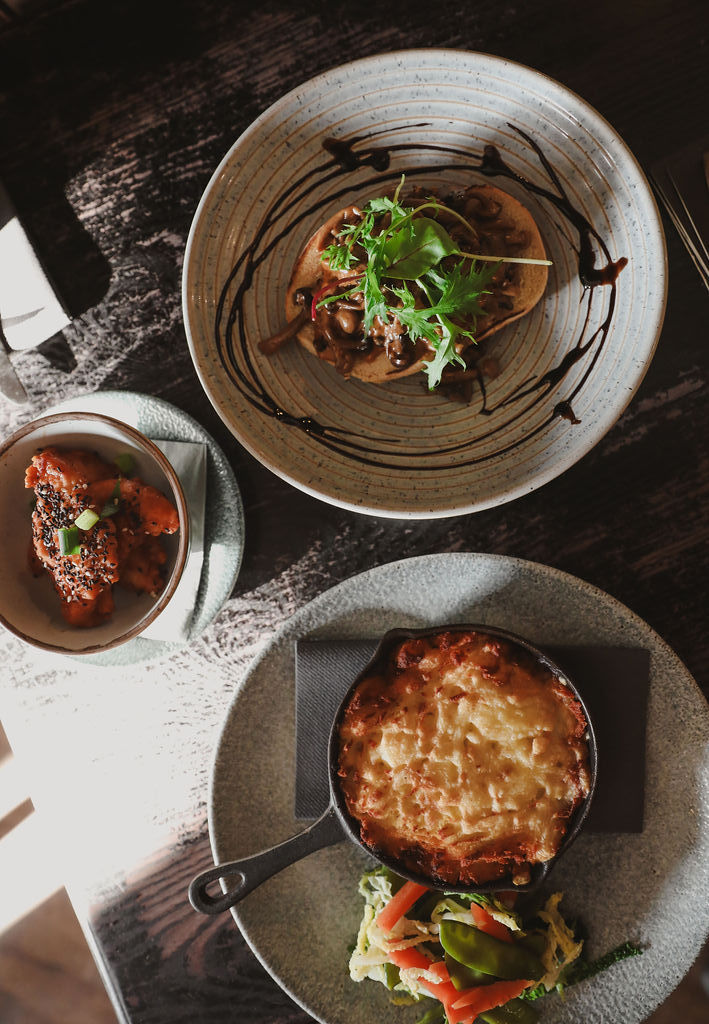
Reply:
x=372, y=948
x=561, y=949
x=371, y=955
x=502, y=914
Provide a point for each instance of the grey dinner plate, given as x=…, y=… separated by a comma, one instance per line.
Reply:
x=651, y=887
x=567, y=370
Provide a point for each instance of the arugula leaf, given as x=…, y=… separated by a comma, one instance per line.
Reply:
x=338, y=295
x=416, y=249
x=460, y=293
x=339, y=257
x=375, y=305
x=382, y=204
x=448, y=293
x=416, y=321
x=445, y=353
x=396, y=243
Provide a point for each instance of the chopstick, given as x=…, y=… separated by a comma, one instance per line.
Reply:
x=693, y=241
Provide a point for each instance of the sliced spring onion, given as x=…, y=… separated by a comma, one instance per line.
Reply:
x=69, y=540
x=111, y=506
x=124, y=461
x=86, y=519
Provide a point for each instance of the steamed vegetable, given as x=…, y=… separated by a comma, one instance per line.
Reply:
x=476, y=949
x=399, y=904
x=487, y=923
x=480, y=960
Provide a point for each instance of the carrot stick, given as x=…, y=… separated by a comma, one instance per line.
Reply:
x=485, y=922
x=475, y=1001
x=397, y=906
x=444, y=989
x=411, y=957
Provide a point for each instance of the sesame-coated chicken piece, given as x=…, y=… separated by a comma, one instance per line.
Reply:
x=142, y=569
x=66, y=471
x=89, y=612
x=122, y=546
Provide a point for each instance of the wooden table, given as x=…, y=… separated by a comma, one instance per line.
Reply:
x=114, y=116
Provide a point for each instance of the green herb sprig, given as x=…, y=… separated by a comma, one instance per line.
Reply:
x=397, y=243
x=583, y=969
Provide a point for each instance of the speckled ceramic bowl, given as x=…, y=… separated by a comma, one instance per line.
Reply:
x=29, y=606
x=567, y=370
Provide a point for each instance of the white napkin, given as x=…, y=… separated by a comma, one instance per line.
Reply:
x=189, y=460
x=30, y=311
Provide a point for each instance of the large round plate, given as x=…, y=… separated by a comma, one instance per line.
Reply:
x=395, y=449
x=652, y=887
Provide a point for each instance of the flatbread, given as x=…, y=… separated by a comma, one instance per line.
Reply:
x=529, y=281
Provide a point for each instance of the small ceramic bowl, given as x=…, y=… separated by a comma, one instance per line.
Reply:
x=29, y=605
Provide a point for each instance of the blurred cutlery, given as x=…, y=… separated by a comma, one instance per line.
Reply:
x=10, y=384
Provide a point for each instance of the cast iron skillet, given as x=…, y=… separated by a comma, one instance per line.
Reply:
x=337, y=824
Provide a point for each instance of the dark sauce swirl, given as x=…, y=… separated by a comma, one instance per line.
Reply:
x=329, y=181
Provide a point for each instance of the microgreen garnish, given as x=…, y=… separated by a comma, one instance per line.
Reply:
x=111, y=506
x=391, y=245
x=69, y=540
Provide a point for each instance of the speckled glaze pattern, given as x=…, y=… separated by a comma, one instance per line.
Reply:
x=224, y=523
x=428, y=98
x=652, y=888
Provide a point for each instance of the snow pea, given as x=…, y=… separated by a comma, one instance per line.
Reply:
x=391, y=975
x=517, y=1011
x=482, y=952
x=465, y=977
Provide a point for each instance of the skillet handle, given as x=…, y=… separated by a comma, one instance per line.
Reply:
x=256, y=869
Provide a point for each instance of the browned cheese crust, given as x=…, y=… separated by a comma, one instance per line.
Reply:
x=504, y=227
x=463, y=758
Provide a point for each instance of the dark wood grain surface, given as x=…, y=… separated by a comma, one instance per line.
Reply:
x=114, y=116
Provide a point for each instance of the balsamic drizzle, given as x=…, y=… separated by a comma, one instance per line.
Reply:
x=346, y=156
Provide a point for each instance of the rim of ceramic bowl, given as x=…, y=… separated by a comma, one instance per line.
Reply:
x=151, y=449
x=284, y=467
x=540, y=869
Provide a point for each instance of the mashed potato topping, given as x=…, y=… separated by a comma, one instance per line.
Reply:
x=464, y=758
